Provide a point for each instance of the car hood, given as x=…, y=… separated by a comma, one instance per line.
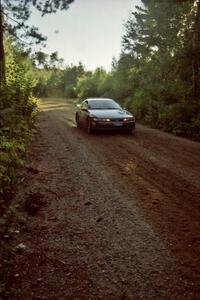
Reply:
x=110, y=113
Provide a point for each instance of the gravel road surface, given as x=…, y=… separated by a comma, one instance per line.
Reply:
x=107, y=215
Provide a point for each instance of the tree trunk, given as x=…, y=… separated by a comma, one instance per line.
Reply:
x=2, y=53
x=196, y=55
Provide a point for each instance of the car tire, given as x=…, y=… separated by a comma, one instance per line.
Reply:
x=77, y=121
x=89, y=126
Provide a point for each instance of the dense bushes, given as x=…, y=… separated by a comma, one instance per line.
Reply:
x=17, y=112
x=18, y=108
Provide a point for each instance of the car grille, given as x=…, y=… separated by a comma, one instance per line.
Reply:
x=116, y=120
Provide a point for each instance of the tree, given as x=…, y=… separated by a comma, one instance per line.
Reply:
x=157, y=74
x=69, y=79
x=13, y=17
x=168, y=29
x=91, y=84
x=40, y=59
x=196, y=53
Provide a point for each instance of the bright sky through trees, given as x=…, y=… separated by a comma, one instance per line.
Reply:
x=90, y=31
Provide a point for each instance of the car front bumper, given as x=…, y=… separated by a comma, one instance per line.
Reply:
x=112, y=125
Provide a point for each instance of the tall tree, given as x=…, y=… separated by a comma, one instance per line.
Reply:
x=169, y=33
x=2, y=54
x=196, y=53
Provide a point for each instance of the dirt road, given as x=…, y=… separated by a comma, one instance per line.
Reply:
x=112, y=216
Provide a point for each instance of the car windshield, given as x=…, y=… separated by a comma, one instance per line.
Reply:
x=103, y=104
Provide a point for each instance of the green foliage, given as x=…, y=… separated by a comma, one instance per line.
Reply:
x=12, y=149
x=56, y=81
x=18, y=109
x=69, y=78
x=156, y=76
x=181, y=119
x=91, y=84
x=17, y=112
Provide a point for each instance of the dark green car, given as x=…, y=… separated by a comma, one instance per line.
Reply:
x=103, y=114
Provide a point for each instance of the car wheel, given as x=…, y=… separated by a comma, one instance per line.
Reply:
x=89, y=126
x=77, y=121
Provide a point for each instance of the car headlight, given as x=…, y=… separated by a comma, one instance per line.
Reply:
x=94, y=119
x=105, y=120
x=128, y=119
x=101, y=119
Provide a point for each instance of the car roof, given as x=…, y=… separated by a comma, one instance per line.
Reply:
x=101, y=99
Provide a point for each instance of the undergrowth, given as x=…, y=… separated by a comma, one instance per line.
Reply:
x=18, y=109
